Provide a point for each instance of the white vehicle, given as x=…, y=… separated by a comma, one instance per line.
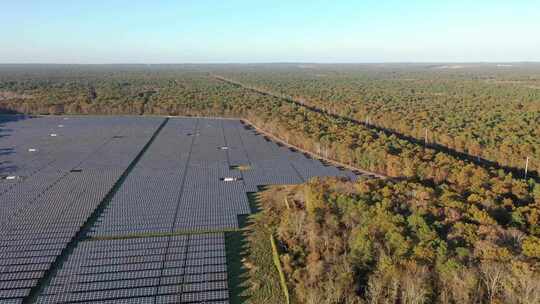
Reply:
x=230, y=179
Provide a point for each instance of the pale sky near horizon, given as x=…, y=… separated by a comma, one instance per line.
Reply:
x=208, y=31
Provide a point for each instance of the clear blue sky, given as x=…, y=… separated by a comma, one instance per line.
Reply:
x=73, y=31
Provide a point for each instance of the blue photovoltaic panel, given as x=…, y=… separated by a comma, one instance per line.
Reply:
x=191, y=266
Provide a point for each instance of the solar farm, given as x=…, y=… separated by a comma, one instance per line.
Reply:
x=130, y=209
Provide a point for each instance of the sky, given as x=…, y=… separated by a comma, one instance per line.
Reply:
x=243, y=31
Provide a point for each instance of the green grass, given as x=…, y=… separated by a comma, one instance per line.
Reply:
x=263, y=275
x=253, y=277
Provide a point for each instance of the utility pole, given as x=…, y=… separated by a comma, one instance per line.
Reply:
x=526, y=166
x=425, y=138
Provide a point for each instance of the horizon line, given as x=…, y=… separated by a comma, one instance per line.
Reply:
x=272, y=62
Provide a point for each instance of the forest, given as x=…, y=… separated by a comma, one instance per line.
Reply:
x=439, y=229
x=375, y=241
x=487, y=112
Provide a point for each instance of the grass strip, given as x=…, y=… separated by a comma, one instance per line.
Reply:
x=277, y=263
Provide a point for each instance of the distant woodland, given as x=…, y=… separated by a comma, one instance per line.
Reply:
x=445, y=227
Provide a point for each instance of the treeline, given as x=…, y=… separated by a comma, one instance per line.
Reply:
x=376, y=241
x=114, y=90
x=484, y=111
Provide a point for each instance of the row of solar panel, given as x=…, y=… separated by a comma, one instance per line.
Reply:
x=186, y=269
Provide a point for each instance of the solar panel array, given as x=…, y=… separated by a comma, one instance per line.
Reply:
x=186, y=182
x=171, y=269
x=57, y=188
x=181, y=174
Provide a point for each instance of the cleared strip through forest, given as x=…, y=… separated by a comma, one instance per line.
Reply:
x=477, y=160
